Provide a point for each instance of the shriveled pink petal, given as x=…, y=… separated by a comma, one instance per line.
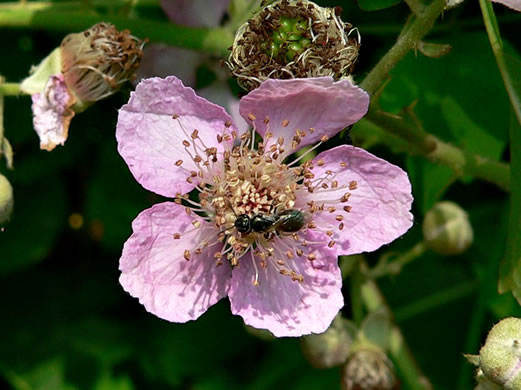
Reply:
x=154, y=269
x=379, y=199
x=51, y=113
x=201, y=13
x=286, y=307
x=319, y=104
x=514, y=4
x=151, y=128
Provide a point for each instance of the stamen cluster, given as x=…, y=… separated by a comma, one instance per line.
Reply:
x=292, y=39
x=249, y=180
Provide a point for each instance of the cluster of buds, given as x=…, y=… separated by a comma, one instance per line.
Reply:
x=86, y=67
x=293, y=39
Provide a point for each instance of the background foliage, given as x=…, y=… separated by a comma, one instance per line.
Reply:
x=66, y=322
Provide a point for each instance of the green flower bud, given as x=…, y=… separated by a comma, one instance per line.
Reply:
x=500, y=357
x=292, y=39
x=6, y=199
x=331, y=348
x=447, y=230
x=368, y=369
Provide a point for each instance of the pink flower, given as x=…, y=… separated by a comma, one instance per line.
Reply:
x=514, y=4
x=186, y=255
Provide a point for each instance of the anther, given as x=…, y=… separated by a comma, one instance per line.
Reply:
x=312, y=257
x=195, y=134
x=285, y=123
x=347, y=209
x=178, y=162
x=251, y=117
x=175, y=116
x=266, y=120
x=177, y=236
x=345, y=197
x=320, y=163
x=227, y=124
x=353, y=185
x=339, y=218
x=186, y=143
x=187, y=254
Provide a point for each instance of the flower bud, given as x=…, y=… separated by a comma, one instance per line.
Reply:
x=447, y=230
x=368, y=369
x=500, y=357
x=293, y=39
x=96, y=62
x=87, y=67
x=331, y=348
x=6, y=199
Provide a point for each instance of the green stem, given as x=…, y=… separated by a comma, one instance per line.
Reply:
x=412, y=377
x=413, y=32
x=10, y=89
x=437, y=151
x=394, y=267
x=69, y=17
x=511, y=266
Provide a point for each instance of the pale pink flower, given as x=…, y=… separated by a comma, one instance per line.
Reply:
x=186, y=255
x=514, y=4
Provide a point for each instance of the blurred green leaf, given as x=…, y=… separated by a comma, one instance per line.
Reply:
x=474, y=138
x=40, y=213
x=108, y=382
x=429, y=81
x=376, y=5
x=49, y=375
x=429, y=181
x=114, y=199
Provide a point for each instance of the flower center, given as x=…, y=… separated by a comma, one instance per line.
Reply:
x=250, y=200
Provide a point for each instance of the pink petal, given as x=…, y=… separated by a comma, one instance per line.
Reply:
x=197, y=13
x=380, y=204
x=51, y=113
x=514, y=4
x=318, y=103
x=286, y=307
x=150, y=139
x=153, y=267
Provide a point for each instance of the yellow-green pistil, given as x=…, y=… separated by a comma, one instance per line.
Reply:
x=289, y=40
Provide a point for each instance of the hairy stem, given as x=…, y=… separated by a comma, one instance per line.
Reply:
x=412, y=377
x=413, y=32
x=440, y=152
x=10, y=89
x=70, y=17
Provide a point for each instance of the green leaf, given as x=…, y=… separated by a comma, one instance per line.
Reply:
x=49, y=374
x=375, y=5
x=475, y=138
x=429, y=181
x=39, y=214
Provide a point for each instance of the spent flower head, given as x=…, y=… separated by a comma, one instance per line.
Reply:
x=248, y=222
x=85, y=68
x=291, y=39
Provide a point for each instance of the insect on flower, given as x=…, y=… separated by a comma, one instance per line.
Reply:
x=288, y=221
x=245, y=223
